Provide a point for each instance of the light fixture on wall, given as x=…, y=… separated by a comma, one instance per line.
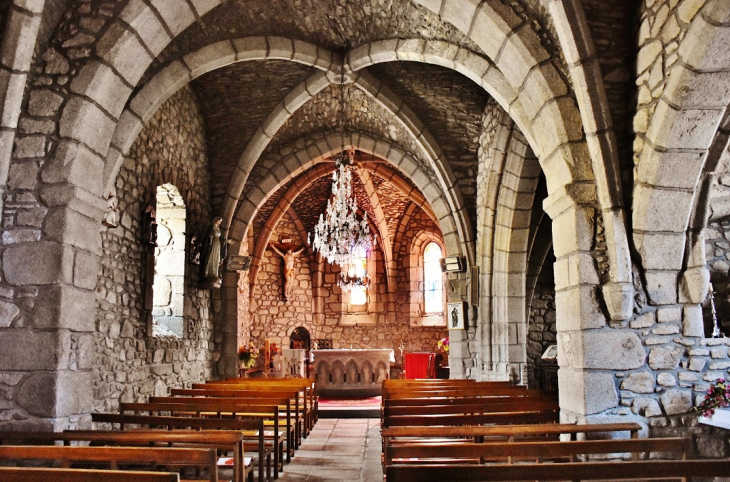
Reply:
x=339, y=235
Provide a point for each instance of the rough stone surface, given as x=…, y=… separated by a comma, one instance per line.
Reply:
x=676, y=401
x=641, y=382
x=129, y=362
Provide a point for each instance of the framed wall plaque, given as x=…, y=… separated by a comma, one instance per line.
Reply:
x=456, y=315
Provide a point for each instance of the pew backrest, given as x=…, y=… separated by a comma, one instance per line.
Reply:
x=24, y=474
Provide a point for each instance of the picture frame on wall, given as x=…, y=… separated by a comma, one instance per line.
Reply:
x=456, y=316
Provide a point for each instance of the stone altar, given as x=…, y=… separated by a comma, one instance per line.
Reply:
x=351, y=373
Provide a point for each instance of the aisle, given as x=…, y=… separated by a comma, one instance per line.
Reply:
x=346, y=450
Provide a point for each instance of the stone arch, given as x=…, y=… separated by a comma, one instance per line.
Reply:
x=550, y=121
x=515, y=202
x=326, y=145
x=682, y=143
x=17, y=55
x=216, y=55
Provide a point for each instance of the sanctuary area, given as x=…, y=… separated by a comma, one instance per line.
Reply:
x=330, y=195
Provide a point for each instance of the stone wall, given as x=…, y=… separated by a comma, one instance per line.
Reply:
x=541, y=331
x=384, y=325
x=129, y=363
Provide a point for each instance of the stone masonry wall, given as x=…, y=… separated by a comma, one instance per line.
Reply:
x=272, y=317
x=541, y=331
x=129, y=363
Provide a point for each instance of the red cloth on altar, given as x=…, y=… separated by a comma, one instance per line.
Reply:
x=420, y=365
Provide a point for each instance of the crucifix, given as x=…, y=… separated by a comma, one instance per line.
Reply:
x=288, y=256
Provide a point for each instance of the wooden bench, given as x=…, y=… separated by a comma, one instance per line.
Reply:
x=117, y=457
x=297, y=399
x=457, y=418
x=504, y=433
x=535, y=451
x=469, y=405
x=221, y=440
x=307, y=387
x=631, y=470
x=453, y=392
x=248, y=429
x=214, y=403
x=25, y=474
x=217, y=410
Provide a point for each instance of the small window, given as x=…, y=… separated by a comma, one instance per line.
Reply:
x=433, y=282
x=359, y=268
x=168, y=290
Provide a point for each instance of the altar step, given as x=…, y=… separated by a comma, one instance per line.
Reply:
x=349, y=408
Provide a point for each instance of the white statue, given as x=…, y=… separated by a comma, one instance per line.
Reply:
x=110, y=218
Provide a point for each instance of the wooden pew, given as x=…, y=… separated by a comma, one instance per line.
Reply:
x=223, y=440
x=116, y=456
x=25, y=474
x=306, y=385
x=294, y=408
x=632, y=470
x=214, y=403
x=467, y=391
x=470, y=405
x=218, y=409
x=535, y=451
x=245, y=430
x=500, y=418
x=506, y=433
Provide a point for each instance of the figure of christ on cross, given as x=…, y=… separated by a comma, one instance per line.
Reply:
x=288, y=256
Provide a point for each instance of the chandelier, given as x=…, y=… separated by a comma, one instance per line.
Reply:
x=339, y=236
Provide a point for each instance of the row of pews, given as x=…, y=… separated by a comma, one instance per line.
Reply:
x=463, y=430
x=234, y=429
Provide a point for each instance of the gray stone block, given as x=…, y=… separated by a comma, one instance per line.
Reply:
x=609, y=349
x=665, y=357
x=676, y=401
x=65, y=307
x=40, y=263
x=641, y=382
x=25, y=350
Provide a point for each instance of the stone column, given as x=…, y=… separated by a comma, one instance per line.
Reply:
x=588, y=348
x=225, y=318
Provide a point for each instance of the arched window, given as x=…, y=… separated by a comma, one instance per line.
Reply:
x=359, y=268
x=433, y=281
x=168, y=291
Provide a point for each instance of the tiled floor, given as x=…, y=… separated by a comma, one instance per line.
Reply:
x=338, y=449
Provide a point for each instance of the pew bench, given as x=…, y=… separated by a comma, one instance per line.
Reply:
x=284, y=403
x=249, y=435
x=643, y=470
x=115, y=458
x=228, y=441
x=219, y=410
x=24, y=474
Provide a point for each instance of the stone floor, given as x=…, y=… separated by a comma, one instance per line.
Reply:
x=338, y=449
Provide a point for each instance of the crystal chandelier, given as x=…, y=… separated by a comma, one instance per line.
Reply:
x=339, y=236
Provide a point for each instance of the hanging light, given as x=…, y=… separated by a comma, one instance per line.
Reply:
x=339, y=236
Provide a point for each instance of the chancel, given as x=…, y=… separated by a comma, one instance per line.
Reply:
x=293, y=199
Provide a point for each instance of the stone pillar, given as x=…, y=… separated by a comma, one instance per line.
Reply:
x=586, y=345
x=225, y=318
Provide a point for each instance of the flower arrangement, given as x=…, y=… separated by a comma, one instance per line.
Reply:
x=247, y=354
x=274, y=349
x=718, y=396
x=443, y=345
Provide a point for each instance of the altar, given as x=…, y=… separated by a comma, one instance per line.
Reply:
x=351, y=373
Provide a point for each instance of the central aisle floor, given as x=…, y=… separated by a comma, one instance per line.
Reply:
x=341, y=449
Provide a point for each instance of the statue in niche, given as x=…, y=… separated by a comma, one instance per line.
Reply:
x=288, y=256
x=111, y=218
x=212, y=256
x=149, y=226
